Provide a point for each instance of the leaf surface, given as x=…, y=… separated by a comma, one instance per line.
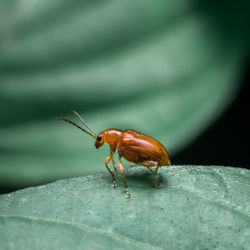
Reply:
x=196, y=207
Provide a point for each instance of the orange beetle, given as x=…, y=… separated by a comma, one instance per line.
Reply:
x=132, y=145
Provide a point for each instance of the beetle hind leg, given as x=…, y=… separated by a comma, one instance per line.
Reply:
x=153, y=177
x=151, y=170
x=150, y=164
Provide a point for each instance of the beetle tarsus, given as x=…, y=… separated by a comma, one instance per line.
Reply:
x=158, y=185
x=127, y=194
x=114, y=184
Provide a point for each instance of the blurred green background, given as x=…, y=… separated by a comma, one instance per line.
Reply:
x=165, y=68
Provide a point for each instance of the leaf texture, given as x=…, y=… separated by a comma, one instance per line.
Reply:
x=203, y=207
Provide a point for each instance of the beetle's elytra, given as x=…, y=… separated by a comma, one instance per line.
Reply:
x=133, y=146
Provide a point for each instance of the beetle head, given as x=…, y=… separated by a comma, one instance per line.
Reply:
x=99, y=140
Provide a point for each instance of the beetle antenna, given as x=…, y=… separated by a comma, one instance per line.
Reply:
x=84, y=122
x=66, y=120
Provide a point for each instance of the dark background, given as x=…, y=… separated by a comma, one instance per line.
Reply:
x=226, y=142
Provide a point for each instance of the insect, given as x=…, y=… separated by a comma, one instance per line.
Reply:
x=133, y=146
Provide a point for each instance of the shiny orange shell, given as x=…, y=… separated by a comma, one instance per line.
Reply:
x=142, y=149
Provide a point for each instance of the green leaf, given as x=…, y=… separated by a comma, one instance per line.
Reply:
x=165, y=68
x=203, y=207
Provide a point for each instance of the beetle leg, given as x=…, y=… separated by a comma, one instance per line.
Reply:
x=106, y=164
x=153, y=176
x=150, y=170
x=111, y=153
x=113, y=161
x=149, y=164
x=121, y=167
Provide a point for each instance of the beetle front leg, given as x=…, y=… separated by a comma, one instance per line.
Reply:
x=121, y=167
x=106, y=164
x=112, y=158
x=113, y=161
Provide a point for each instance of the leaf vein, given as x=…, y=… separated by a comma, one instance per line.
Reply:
x=239, y=210
x=86, y=228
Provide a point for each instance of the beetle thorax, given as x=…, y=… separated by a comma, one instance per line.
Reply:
x=112, y=137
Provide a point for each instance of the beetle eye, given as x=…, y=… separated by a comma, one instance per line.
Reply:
x=99, y=137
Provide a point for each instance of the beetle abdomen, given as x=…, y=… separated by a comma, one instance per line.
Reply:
x=137, y=147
